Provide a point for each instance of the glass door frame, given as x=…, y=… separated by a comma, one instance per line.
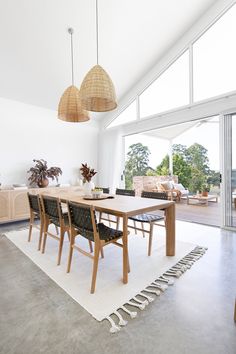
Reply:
x=226, y=171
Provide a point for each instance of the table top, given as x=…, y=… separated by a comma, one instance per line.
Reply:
x=119, y=205
x=210, y=196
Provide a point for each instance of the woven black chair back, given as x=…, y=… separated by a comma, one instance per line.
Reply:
x=51, y=207
x=105, y=190
x=81, y=219
x=154, y=195
x=128, y=192
x=34, y=202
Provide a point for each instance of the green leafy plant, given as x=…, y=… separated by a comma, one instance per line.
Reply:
x=205, y=188
x=87, y=172
x=41, y=172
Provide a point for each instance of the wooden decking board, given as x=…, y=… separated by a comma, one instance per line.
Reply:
x=209, y=215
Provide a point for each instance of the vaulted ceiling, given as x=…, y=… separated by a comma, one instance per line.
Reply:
x=35, y=61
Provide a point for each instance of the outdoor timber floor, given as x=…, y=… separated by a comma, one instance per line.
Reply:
x=208, y=215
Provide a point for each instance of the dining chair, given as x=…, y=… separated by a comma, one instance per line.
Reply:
x=52, y=214
x=151, y=219
x=116, y=219
x=35, y=213
x=83, y=223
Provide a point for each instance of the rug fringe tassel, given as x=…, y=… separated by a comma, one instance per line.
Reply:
x=159, y=286
x=122, y=322
x=140, y=306
x=132, y=314
x=149, y=298
x=114, y=328
x=167, y=278
x=156, y=292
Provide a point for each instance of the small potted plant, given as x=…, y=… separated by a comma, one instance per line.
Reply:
x=87, y=174
x=205, y=190
x=97, y=193
x=40, y=173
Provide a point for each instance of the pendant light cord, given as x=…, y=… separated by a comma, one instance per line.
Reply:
x=71, y=31
x=97, y=28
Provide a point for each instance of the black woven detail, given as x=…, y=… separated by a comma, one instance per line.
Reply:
x=146, y=218
x=56, y=221
x=105, y=190
x=34, y=203
x=129, y=192
x=107, y=233
x=81, y=220
x=154, y=195
x=51, y=207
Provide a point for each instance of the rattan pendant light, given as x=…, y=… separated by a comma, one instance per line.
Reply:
x=70, y=107
x=97, y=90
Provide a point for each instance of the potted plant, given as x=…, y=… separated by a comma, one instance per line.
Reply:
x=87, y=173
x=40, y=173
x=205, y=190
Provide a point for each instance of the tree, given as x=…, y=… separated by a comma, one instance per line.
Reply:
x=137, y=163
x=182, y=169
x=197, y=157
x=191, y=165
x=163, y=168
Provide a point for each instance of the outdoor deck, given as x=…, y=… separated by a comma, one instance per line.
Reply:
x=208, y=215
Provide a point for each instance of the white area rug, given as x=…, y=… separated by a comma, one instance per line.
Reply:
x=110, y=293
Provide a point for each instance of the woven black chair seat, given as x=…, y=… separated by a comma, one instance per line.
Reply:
x=146, y=218
x=107, y=233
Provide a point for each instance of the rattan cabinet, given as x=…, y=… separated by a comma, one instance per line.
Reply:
x=14, y=204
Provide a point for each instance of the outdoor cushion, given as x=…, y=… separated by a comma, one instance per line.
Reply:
x=167, y=185
x=179, y=186
x=146, y=218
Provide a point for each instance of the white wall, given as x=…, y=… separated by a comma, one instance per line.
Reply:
x=29, y=132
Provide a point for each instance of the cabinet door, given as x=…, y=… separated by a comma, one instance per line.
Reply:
x=5, y=210
x=19, y=205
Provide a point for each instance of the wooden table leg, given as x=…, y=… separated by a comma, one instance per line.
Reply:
x=125, y=250
x=170, y=230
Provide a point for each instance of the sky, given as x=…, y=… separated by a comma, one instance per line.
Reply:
x=206, y=134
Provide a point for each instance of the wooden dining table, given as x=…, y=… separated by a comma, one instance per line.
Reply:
x=125, y=207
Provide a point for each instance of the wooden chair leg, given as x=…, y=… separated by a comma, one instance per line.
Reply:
x=62, y=233
x=128, y=264
x=72, y=241
x=135, y=227
x=95, y=268
x=40, y=235
x=102, y=253
x=46, y=224
x=108, y=217
x=90, y=246
x=31, y=226
x=150, y=239
x=100, y=216
x=143, y=229
x=117, y=223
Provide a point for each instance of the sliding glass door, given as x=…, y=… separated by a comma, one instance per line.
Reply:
x=228, y=168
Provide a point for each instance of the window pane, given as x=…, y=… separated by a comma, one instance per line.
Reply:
x=169, y=91
x=214, y=58
x=128, y=115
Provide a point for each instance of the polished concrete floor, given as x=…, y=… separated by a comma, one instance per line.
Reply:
x=193, y=316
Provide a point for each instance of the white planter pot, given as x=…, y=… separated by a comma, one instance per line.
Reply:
x=88, y=186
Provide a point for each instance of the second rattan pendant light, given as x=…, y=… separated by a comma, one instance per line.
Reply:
x=70, y=107
x=97, y=90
